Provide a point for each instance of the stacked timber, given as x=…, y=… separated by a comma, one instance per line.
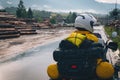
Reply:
x=21, y=26
x=4, y=16
x=8, y=31
x=26, y=30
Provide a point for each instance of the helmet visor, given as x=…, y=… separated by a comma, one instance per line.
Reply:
x=91, y=23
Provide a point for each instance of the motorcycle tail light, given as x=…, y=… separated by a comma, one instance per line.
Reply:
x=73, y=66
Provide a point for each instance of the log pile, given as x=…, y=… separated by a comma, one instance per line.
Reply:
x=8, y=31
x=44, y=25
x=10, y=26
x=26, y=31
x=6, y=15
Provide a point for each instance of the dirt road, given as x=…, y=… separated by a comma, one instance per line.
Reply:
x=25, y=42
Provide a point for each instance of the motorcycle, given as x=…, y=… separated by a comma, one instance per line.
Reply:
x=81, y=64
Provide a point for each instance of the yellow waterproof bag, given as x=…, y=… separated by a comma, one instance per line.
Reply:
x=104, y=70
x=52, y=71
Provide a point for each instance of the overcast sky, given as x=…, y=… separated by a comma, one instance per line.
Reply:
x=95, y=6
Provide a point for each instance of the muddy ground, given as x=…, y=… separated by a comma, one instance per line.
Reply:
x=17, y=45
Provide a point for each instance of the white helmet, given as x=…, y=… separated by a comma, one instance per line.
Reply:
x=85, y=21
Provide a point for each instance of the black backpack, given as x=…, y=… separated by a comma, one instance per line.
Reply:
x=77, y=63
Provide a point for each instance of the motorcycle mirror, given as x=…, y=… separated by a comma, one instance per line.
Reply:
x=113, y=45
x=114, y=34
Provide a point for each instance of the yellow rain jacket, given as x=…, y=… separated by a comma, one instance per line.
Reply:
x=77, y=37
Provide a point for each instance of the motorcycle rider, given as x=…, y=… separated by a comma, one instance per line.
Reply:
x=83, y=38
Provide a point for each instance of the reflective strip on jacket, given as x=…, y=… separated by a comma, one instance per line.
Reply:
x=77, y=37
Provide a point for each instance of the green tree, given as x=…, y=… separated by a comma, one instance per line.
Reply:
x=114, y=13
x=71, y=17
x=30, y=13
x=58, y=18
x=41, y=14
x=11, y=10
x=68, y=19
x=21, y=10
x=2, y=10
x=39, y=19
x=53, y=20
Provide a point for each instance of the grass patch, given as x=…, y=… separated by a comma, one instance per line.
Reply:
x=109, y=30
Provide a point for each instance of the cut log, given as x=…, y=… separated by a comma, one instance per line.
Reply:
x=9, y=32
x=7, y=29
x=27, y=33
x=6, y=26
x=9, y=36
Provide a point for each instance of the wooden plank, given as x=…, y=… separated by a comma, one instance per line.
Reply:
x=9, y=32
x=9, y=36
x=6, y=26
x=23, y=27
x=28, y=30
x=28, y=33
x=7, y=29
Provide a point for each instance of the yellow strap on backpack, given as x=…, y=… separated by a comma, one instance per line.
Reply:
x=76, y=38
x=89, y=35
x=92, y=37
